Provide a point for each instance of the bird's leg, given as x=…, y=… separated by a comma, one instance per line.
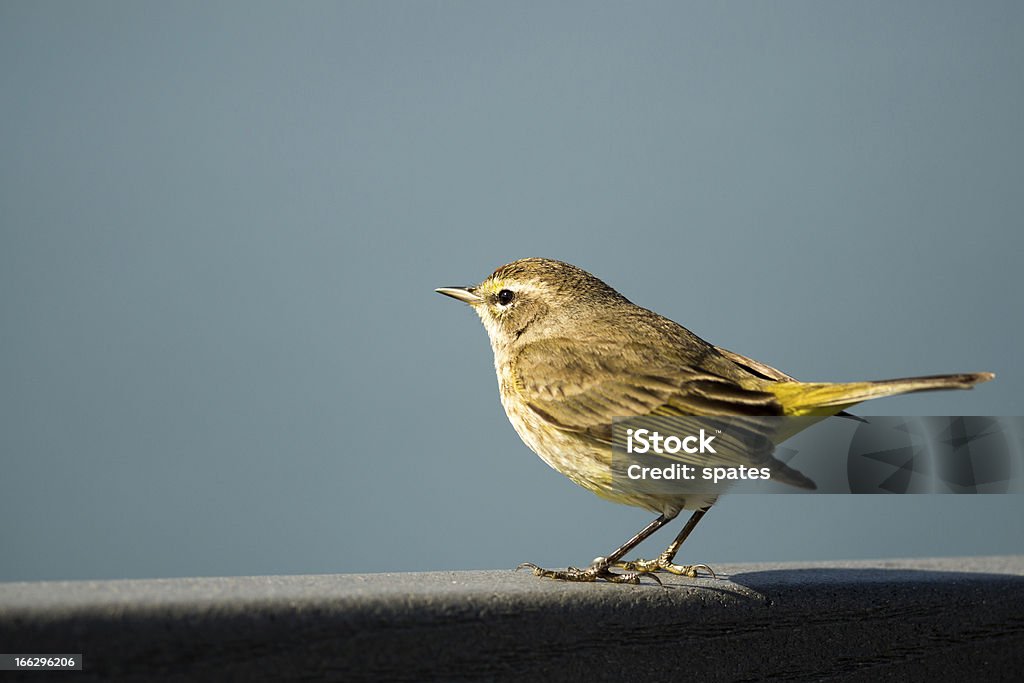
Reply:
x=599, y=569
x=664, y=561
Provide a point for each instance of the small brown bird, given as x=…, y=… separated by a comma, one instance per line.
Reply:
x=571, y=354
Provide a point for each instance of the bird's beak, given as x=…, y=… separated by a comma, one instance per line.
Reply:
x=467, y=294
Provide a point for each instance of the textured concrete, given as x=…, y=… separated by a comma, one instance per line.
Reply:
x=943, y=618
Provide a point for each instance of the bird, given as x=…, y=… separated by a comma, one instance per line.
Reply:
x=572, y=354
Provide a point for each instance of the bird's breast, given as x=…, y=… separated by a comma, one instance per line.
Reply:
x=564, y=451
x=585, y=461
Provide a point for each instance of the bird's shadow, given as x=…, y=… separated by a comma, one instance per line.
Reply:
x=772, y=584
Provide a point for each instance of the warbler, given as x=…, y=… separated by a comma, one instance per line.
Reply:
x=571, y=353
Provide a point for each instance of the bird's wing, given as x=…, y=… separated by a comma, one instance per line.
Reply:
x=765, y=371
x=755, y=367
x=578, y=387
x=582, y=388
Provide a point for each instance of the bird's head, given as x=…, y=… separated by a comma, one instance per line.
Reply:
x=534, y=298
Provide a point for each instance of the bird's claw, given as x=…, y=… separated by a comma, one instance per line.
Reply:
x=598, y=571
x=662, y=563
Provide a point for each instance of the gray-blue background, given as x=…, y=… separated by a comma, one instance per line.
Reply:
x=222, y=223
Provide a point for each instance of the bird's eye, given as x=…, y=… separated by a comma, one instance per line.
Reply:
x=505, y=297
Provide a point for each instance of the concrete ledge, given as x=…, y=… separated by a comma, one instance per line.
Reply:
x=944, y=618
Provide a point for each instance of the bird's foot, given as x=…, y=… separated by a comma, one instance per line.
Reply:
x=598, y=571
x=664, y=563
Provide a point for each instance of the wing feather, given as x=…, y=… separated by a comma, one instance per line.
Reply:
x=574, y=389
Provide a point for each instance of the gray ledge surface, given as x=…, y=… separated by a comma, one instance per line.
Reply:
x=947, y=619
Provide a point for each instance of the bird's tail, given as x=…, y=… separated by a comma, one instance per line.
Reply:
x=822, y=398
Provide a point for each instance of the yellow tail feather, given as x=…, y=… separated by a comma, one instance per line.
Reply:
x=823, y=398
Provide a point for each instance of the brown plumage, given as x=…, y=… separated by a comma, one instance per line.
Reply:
x=571, y=354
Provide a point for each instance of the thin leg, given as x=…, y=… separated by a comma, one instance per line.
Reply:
x=664, y=561
x=599, y=568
